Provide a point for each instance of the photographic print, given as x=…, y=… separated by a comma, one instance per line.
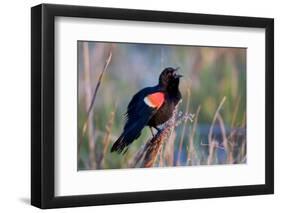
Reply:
x=177, y=98
x=158, y=105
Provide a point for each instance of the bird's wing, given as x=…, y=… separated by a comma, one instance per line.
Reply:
x=143, y=106
x=140, y=110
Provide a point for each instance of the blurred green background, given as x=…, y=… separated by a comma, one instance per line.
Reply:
x=210, y=73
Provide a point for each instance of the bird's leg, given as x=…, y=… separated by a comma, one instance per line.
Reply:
x=158, y=129
x=151, y=130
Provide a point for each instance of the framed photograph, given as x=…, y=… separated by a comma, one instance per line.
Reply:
x=139, y=106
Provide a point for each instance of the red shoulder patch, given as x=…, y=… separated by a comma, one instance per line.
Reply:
x=155, y=100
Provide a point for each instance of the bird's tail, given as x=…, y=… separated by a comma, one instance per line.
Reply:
x=119, y=145
x=126, y=138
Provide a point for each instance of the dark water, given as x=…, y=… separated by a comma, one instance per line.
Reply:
x=235, y=135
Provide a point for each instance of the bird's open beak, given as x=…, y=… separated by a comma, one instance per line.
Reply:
x=175, y=73
x=179, y=76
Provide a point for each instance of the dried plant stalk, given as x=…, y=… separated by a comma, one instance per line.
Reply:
x=191, y=149
x=235, y=112
x=91, y=107
x=147, y=156
x=90, y=102
x=215, y=118
x=212, y=147
x=106, y=140
x=153, y=147
x=87, y=89
x=169, y=149
x=212, y=143
x=184, y=127
x=161, y=158
x=243, y=155
x=225, y=140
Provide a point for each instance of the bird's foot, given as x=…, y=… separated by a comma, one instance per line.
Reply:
x=158, y=129
x=151, y=130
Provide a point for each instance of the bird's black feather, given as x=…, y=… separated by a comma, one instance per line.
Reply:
x=139, y=114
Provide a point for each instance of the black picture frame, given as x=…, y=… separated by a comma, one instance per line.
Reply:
x=43, y=102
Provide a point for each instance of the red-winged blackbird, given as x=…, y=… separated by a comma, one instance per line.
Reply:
x=151, y=106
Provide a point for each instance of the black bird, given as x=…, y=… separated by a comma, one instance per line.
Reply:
x=151, y=106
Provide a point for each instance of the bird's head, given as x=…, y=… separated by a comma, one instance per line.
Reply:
x=169, y=78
